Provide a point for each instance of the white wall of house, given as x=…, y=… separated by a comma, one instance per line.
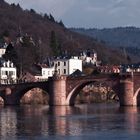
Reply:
x=47, y=72
x=8, y=73
x=67, y=66
x=74, y=64
x=61, y=66
x=2, y=51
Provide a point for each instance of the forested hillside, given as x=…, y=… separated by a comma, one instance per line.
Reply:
x=125, y=38
x=43, y=37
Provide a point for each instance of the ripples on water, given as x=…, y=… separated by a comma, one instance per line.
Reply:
x=93, y=121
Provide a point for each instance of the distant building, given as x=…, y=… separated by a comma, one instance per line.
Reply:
x=63, y=66
x=60, y=65
x=89, y=57
x=47, y=72
x=109, y=69
x=40, y=72
x=3, y=47
x=130, y=68
x=8, y=72
x=2, y=52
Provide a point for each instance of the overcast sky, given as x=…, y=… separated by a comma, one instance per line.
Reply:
x=88, y=13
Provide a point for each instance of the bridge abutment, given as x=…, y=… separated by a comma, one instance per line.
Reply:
x=126, y=92
x=57, y=89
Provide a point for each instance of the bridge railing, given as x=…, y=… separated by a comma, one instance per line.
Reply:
x=19, y=81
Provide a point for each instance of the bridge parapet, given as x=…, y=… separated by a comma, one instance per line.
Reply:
x=58, y=77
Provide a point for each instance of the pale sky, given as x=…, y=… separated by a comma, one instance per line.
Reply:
x=88, y=13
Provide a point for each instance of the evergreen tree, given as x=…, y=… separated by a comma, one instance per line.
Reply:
x=33, y=11
x=51, y=18
x=55, y=46
x=61, y=23
x=11, y=54
x=46, y=16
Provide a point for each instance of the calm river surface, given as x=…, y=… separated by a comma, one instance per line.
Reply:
x=82, y=122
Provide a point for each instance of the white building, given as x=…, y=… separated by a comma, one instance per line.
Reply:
x=2, y=52
x=3, y=47
x=67, y=66
x=130, y=68
x=89, y=57
x=8, y=72
x=45, y=72
x=64, y=66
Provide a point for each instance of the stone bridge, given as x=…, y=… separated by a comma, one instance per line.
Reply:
x=62, y=90
x=12, y=93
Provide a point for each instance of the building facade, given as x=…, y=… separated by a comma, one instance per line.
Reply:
x=67, y=66
x=130, y=68
x=47, y=72
x=2, y=52
x=8, y=73
x=89, y=57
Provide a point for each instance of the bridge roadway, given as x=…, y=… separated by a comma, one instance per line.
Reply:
x=62, y=90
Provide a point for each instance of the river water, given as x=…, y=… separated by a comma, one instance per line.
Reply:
x=102, y=121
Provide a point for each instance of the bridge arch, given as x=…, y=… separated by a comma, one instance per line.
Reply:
x=136, y=97
x=24, y=90
x=1, y=100
x=17, y=91
x=34, y=95
x=75, y=91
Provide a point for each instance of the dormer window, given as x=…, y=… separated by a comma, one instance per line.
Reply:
x=12, y=65
x=4, y=64
x=8, y=64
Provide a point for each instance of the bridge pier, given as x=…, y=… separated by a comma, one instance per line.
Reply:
x=126, y=92
x=10, y=98
x=57, y=90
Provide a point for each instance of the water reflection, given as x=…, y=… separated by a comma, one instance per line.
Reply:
x=131, y=119
x=8, y=123
x=84, y=120
x=58, y=122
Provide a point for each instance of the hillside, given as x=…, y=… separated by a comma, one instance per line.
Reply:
x=16, y=22
x=121, y=37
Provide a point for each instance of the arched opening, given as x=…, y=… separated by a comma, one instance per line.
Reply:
x=137, y=98
x=35, y=96
x=92, y=92
x=1, y=101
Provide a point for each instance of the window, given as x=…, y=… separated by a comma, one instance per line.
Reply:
x=64, y=63
x=52, y=72
x=6, y=72
x=43, y=72
x=64, y=71
x=58, y=63
x=48, y=72
x=58, y=71
x=10, y=73
x=3, y=73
